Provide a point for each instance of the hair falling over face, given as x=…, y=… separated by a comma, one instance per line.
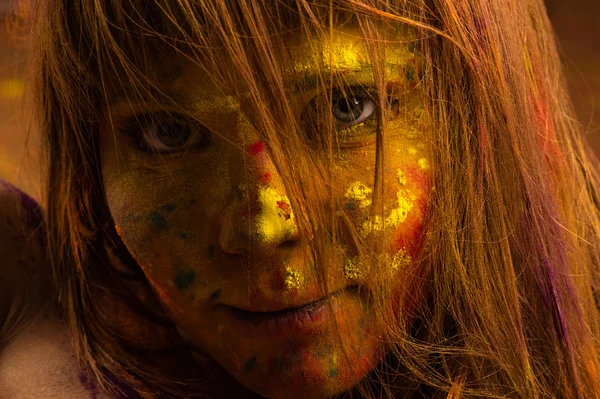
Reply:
x=493, y=291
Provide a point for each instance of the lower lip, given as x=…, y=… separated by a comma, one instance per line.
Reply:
x=307, y=319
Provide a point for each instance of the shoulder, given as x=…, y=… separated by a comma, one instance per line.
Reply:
x=21, y=228
x=24, y=271
x=41, y=363
x=37, y=358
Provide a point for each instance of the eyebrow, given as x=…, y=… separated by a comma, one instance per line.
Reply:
x=307, y=79
x=134, y=95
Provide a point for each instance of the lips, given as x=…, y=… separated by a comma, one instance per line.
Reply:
x=310, y=317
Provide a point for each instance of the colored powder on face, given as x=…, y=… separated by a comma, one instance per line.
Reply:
x=250, y=365
x=354, y=269
x=401, y=177
x=286, y=209
x=404, y=203
x=184, y=235
x=256, y=148
x=168, y=208
x=184, y=278
x=359, y=193
x=400, y=259
x=344, y=56
x=294, y=279
x=266, y=178
x=411, y=151
x=215, y=295
x=273, y=224
x=157, y=221
x=423, y=163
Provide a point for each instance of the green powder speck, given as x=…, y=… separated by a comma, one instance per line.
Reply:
x=158, y=221
x=168, y=208
x=184, y=278
x=250, y=364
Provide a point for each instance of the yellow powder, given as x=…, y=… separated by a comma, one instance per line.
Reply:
x=347, y=52
x=405, y=129
x=411, y=151
x=404, y=203
x=294, y=279
x=423, y=163
x=401, y=177
x=354, y=269
x=275, y=222
x=405, y=200
x=400, y=260
x=347, y=56
x=359, y=193
x=223, y=104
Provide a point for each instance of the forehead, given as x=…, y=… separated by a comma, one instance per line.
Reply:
x=341, y=53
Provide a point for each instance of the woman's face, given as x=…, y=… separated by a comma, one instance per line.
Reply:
x=203, y=210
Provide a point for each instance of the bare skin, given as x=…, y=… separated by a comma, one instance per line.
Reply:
x=216, y=262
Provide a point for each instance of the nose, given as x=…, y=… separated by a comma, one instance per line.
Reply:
x=259, y=217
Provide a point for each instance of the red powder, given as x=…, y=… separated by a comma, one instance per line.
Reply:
x=417, y=178
x=413, y=236
x=256, y=148
x=285, y=207
x=250, y=212
x=266, y=178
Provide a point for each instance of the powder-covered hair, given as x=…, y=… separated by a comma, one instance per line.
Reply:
x=510, y=254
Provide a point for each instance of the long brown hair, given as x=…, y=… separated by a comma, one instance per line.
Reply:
x=511, y=254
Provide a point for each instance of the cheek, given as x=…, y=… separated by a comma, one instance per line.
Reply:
x=409, y=235
x=407, y=242
x=405, y=205
x=407, y=188
x=163, y=230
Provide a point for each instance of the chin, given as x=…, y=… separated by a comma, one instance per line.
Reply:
x=310, y=379
x=315, y=351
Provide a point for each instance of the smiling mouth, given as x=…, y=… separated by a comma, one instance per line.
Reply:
x=308, y=317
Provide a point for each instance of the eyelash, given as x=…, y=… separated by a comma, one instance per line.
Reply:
x=350, y=107
x=344, y=124
x=369, y=106
x=168, y=125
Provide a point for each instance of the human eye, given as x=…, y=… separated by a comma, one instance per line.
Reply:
x=350, y=110
x=166, y=132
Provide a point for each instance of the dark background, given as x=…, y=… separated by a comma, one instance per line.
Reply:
x=575, y=23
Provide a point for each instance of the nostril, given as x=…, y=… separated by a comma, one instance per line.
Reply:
x=288, y=244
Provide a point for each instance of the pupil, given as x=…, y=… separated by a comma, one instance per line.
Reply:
x=173, y=134
x=348, y=109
